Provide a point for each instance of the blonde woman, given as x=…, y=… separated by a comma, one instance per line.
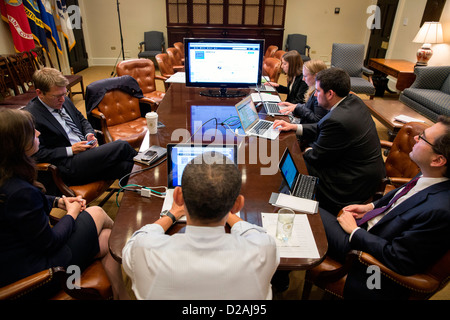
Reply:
x=309, y=112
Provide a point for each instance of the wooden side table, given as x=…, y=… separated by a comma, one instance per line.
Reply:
x=403, y=70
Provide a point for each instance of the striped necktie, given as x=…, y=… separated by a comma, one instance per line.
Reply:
x=375, y=212
x=70, y=123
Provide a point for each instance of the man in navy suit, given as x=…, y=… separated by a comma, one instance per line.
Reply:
x=345, y=152
x=68, y=140
x=412, y=233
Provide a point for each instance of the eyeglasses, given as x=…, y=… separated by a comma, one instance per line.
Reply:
x=422, y=136
x=59, y=96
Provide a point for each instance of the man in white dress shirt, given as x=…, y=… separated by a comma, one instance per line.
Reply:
x=205, y=262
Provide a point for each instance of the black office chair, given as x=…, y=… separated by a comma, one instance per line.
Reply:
x=298, y=42
x=152, y=45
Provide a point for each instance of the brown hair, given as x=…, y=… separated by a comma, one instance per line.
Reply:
x=295, y=64
x=46, y=78
x=17, y=134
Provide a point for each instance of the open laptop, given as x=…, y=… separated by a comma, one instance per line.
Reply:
x=179, y=155
x=251, y=124
x=300, y=185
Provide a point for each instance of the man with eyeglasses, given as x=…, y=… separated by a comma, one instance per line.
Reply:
x=408, y=229
x=68, y=140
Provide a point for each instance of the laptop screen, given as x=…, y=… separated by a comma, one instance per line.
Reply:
x=247, y=112
x=201, y=114
x=179, y=155
x=288, y=169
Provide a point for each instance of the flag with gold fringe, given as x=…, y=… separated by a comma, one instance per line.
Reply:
x=35, y=21
x=63, y=22
x=13, y=12
x=49, y=22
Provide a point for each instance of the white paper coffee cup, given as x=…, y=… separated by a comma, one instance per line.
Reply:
x=152, y=122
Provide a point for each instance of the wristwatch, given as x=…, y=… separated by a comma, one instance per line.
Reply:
x=169, y=214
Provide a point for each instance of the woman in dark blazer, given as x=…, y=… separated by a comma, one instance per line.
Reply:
x=27, y=242
x=309, y=112
x=292, y=64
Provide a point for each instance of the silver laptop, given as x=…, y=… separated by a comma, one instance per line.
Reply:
x=179, y=155
x=272, y=109
x=251, y=124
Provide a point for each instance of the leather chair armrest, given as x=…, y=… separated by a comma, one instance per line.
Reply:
x=99, y=115
x=386, y=144
x=27, y=285
x=398, y=181
x=53, y=170
x=338, y=273
x=417, y=282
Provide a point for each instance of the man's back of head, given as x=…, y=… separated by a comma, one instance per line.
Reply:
x=211, y=182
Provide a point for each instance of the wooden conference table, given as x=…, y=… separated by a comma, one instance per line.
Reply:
x=175, y=113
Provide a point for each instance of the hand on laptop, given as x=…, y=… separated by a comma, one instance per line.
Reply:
x=282, y=125
x=286, y=107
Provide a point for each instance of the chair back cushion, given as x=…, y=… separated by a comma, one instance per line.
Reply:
x=270, y=52
x=398, y=162
x=165, y=66
x=272, y=68
x=175, y=56
x=143, y=70
x=296, y=42
x=119, y=107
x=154, y=40
x=349, y=57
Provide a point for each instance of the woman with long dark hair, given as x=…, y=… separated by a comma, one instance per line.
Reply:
x=28, y=244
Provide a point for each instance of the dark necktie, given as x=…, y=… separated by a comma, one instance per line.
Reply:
x=375, y=212
x=70, y=123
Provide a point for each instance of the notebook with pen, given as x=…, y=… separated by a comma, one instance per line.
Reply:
x=251, y=124
x=179, y=155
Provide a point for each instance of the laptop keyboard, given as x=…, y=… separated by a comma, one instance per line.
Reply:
x=306, y=187
x=272, y=107
x=262, y=126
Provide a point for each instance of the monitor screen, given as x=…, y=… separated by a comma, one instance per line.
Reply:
x=223, y=63
x=179, y=155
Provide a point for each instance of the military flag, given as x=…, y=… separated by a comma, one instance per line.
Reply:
x=13, y=12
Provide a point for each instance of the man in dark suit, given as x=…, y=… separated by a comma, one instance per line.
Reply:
x=411, y=233
x=345, y=152
x=68, y=140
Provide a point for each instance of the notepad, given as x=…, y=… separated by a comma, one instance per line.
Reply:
x=295, y=203
x=266, y=97
x=406, y=119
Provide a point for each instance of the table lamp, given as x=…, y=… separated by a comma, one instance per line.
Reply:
x=431, y=32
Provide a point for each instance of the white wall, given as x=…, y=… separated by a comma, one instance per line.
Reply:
x=406, y=26
x=323, y=27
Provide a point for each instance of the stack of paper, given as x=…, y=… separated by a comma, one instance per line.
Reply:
x=265, y=97
x=301, y=244
x=406, y=119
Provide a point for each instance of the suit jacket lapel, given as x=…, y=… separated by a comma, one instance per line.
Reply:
x=51, y=119
x=413, y=201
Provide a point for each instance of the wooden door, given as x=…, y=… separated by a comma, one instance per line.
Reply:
x=379, y=38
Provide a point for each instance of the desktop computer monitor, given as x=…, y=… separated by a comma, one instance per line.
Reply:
x=223, y=64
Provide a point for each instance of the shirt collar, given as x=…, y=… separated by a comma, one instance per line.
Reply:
x=337, y=104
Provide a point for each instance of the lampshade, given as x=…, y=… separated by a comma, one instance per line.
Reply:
x=431, y=32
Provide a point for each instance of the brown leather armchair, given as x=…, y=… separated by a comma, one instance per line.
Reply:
x=279, y=54
x=180, y=47
x=94, y=285
x=120, y=118
x=143, y=70
x=331, y=276
x=165, y=67
x=175, y=59
x=272, y=68
x=270, y=52
x=399, y=167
